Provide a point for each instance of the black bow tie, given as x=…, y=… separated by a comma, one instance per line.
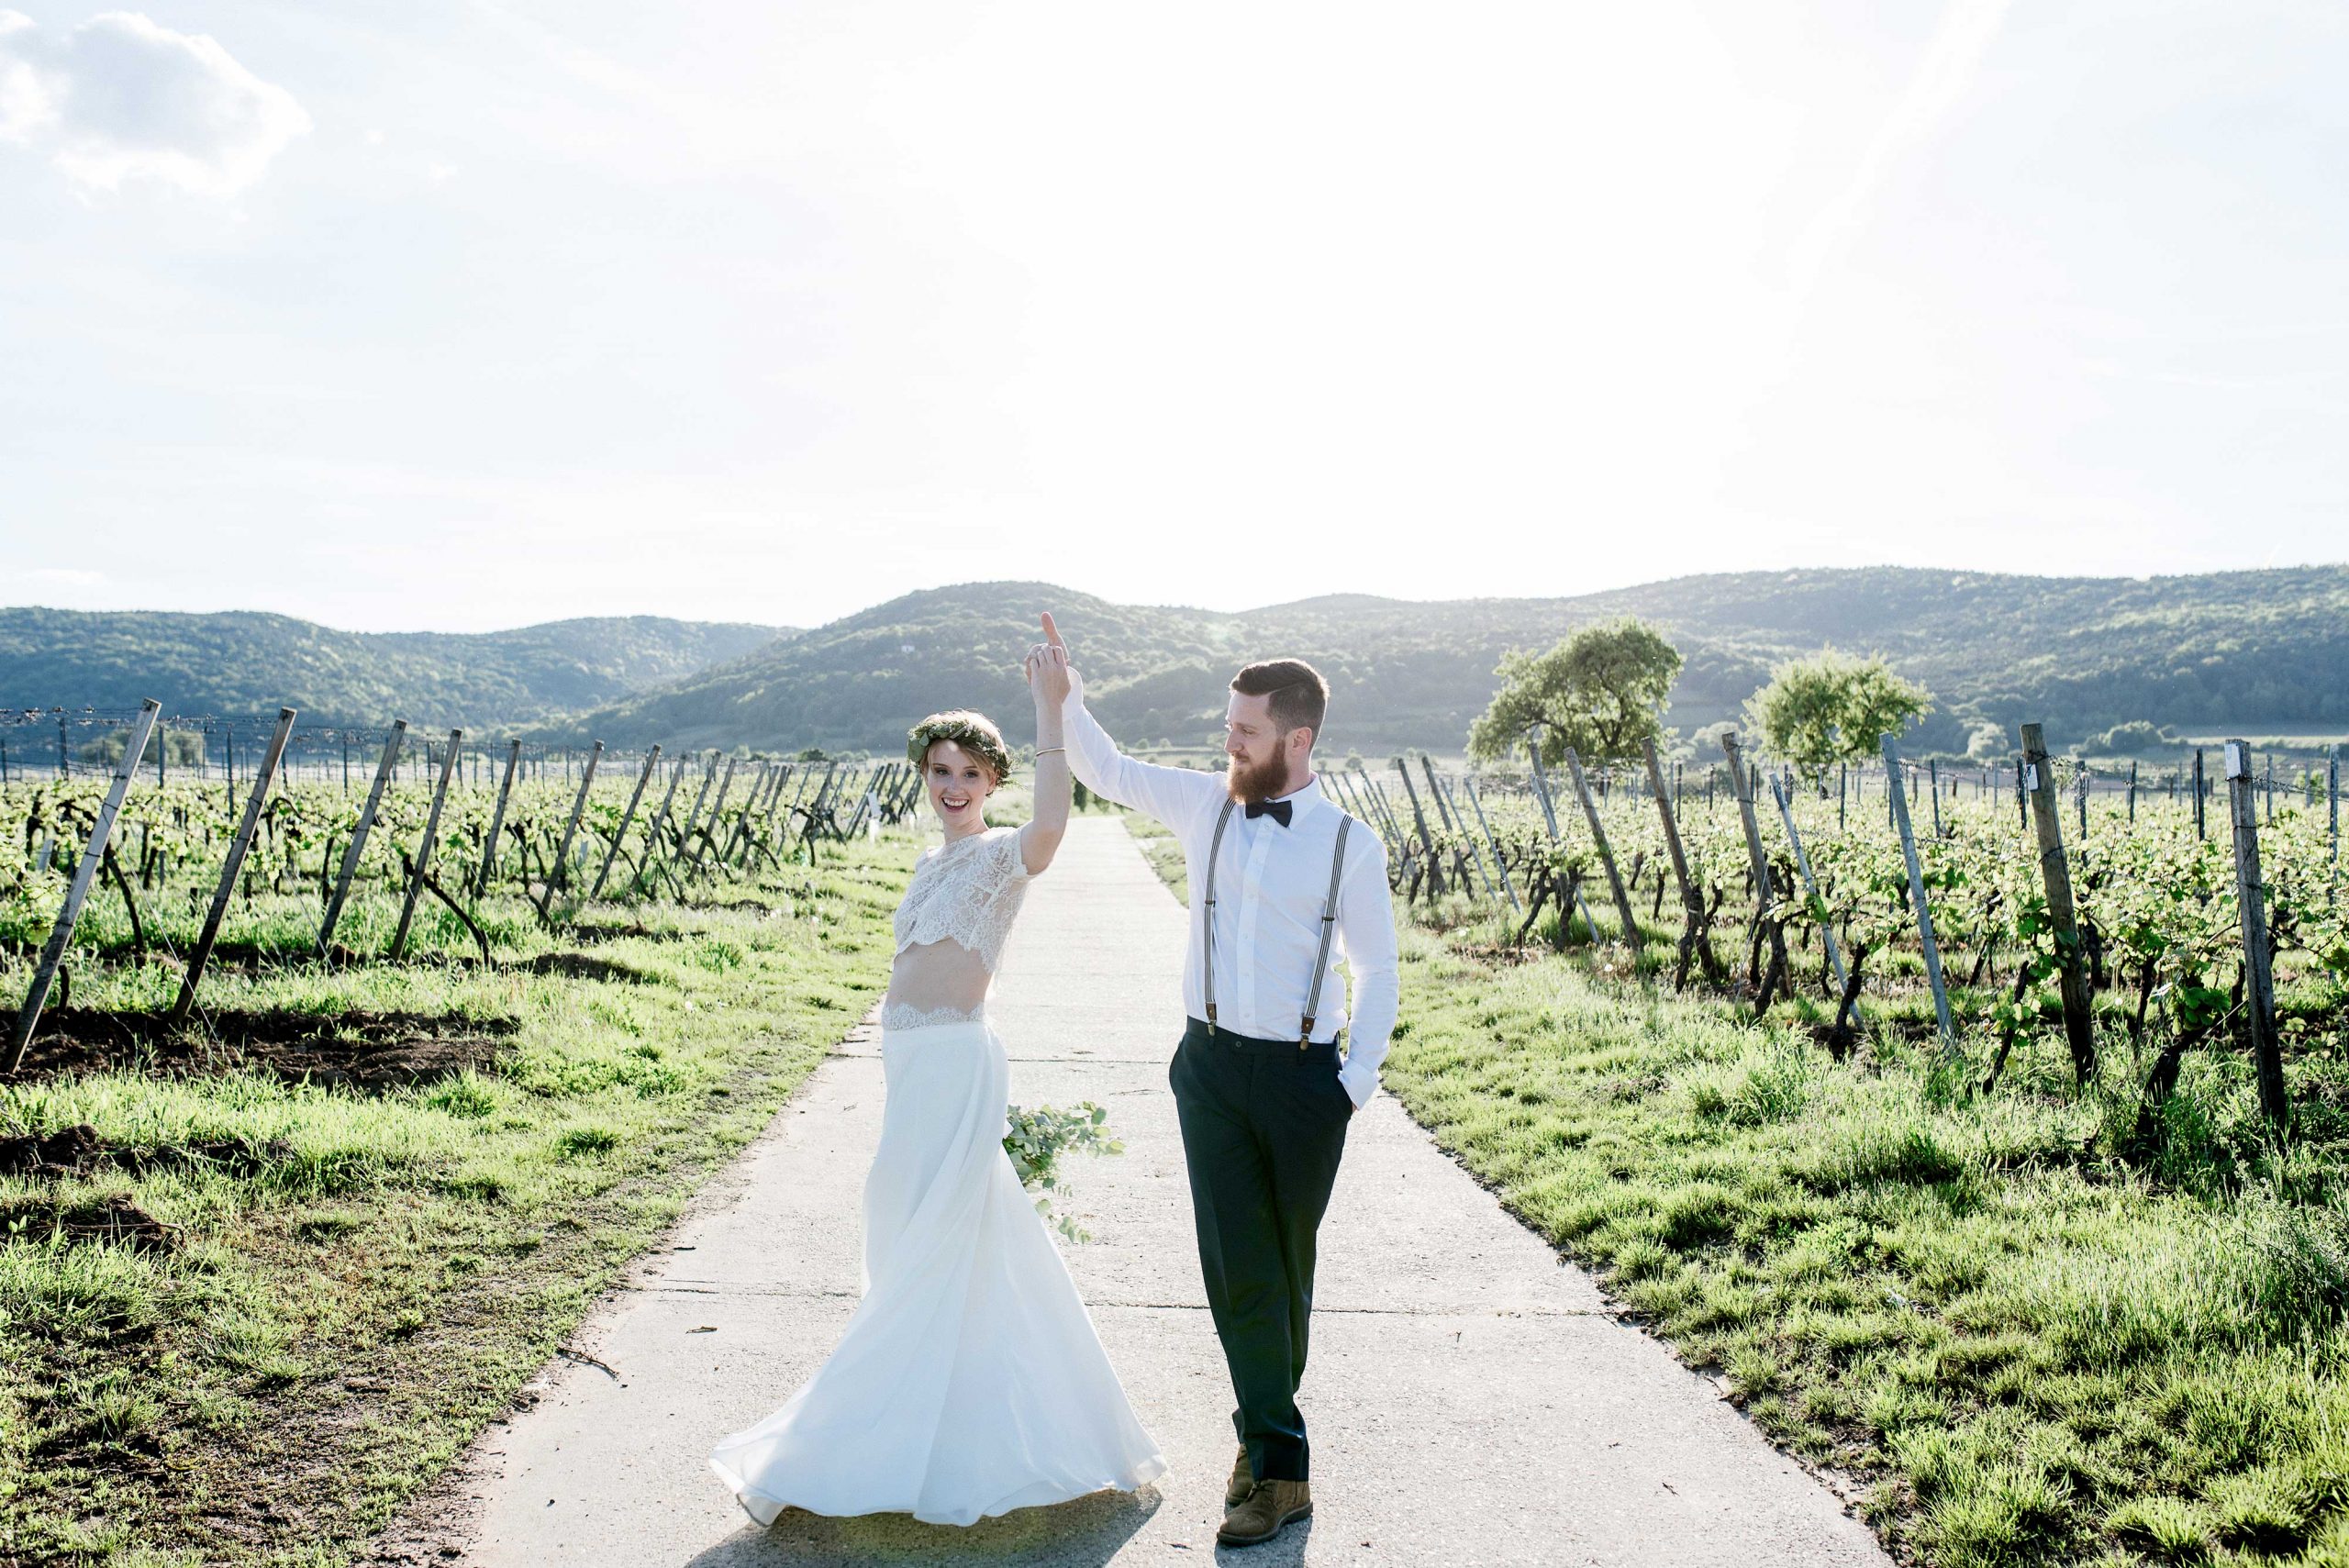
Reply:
x=1276, y=809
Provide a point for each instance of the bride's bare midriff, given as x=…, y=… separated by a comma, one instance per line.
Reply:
x=941, y=973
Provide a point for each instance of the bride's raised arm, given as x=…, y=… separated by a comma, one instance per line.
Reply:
x=1048, y=680
x=1176, y=797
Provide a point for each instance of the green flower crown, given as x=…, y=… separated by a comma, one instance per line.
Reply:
x=974, y=732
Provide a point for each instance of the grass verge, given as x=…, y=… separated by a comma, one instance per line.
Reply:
x=343, y=1284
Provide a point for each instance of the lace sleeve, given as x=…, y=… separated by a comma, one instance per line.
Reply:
x=1005, y=860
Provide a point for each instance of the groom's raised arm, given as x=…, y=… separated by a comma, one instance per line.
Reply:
x=1173, y=796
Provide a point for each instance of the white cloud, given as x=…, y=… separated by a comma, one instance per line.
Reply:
x=122, y=97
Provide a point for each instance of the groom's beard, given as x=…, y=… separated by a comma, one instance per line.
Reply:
x=1256, y=780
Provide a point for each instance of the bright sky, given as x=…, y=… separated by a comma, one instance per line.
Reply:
x=464, y=316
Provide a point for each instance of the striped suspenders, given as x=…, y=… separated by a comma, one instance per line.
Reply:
x=1328, y=923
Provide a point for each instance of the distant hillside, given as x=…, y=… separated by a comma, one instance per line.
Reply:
x=2255, y=650
x=241, y=662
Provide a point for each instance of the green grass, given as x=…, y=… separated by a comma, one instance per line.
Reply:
x=2028, y=1349
x=2036, y=1353
x=347, y=1303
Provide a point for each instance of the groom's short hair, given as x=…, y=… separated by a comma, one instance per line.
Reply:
x=1299, y=696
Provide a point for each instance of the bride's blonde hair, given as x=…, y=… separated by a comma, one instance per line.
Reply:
x=974, y=732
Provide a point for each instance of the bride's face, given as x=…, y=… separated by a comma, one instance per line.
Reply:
x=959, y=786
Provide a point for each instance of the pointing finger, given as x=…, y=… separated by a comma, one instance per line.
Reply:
x=1053, y=633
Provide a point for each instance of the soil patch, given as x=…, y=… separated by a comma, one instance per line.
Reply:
x=365, y=1052
x=112, y=1219
x=74, y=1150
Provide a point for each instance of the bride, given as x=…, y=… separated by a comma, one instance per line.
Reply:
x=970, y=1382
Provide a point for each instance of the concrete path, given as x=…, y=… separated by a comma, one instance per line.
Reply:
x=1472, y=1400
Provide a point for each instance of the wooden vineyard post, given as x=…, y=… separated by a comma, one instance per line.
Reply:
x=654, y=843
x=779, y=813
x=1490, y=843
x=2259, y=980
x=1443, y=794
x=358, y=833
x=2133, y=792
x=751, y=795
x=751, y=800
x=1933, y=773
x=770, y=783
x=2333, y=799
x=200, y=954
x=1420, y=816
x=864, y=801
x=2200, y=829
x=686, y=833
x=77, y=892
x=709, y=834
x=1917, y=897
x=1347, y=801
x=417, y=876
x=570, y=829
x=497, y=820
x=1377, y=799
x=2056, y=876
x=1756, y=859
x=1606, y=855
x=643, y=777
x=1541, y=785
x=1810, y=888
x=1691, y=904
x=1445, y=813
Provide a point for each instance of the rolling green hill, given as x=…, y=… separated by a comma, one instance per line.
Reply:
x=244, y=662
x=2260, y=650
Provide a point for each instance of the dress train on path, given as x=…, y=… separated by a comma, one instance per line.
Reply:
x=970, y=1381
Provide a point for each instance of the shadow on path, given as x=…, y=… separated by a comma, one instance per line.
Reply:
x=1086, y=1532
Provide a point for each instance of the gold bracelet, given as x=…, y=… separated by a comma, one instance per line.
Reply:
x=1047, y=751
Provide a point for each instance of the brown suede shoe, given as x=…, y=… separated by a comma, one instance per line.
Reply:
x=1243, y=1480
x=1267, y=1508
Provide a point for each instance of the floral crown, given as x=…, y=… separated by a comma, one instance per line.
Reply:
x=974, y=732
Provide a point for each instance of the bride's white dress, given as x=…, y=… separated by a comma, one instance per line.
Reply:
x=970, y=1381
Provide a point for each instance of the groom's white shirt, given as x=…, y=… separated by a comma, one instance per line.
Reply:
x=1270, y=888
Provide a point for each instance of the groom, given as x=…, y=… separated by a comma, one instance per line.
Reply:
x=1283, y=882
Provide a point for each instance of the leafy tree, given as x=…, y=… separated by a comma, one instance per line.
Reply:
x=1602, y=691
x=181, y=748
x=2133, y=739
x=1832, y=708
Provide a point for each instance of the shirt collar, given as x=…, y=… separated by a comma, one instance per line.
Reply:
x=1301, y=802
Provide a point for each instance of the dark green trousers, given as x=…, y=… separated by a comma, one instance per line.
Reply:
x=1263, y=1126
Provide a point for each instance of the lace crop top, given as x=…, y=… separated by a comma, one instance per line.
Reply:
x=958, y=910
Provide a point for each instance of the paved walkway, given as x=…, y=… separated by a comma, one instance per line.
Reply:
x=1472, y=1400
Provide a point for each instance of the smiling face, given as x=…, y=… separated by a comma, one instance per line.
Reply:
x=1261, y=763
x=959, y=785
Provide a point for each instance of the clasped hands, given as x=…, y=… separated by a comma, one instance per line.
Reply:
x=1050, y=675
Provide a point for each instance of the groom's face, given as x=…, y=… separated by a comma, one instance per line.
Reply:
x=1261, y=761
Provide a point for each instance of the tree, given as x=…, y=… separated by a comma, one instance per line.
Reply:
x=1602, y=691
x=1832, y=708
x=181, y=748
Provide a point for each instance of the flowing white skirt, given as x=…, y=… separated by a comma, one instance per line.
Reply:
x=970, y=1381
